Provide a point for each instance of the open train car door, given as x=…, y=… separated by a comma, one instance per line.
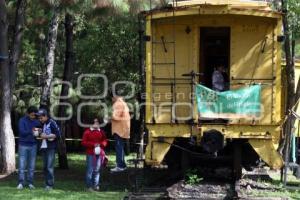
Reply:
x=214, y=51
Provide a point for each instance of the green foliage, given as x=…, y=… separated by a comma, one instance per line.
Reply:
x=105, y=43
x=294, y=20
x=192, y=177
x=294, y=16
x=297, y=48
x=293, y=7
x=108, y=46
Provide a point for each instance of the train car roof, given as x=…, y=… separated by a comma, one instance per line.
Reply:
x=196, y=7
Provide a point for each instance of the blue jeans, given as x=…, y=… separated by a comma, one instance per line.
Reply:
x=48, y=162
x=120, y=154
x=93, y=166
x=27, y=157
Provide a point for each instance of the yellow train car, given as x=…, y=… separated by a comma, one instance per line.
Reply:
x=192, y=38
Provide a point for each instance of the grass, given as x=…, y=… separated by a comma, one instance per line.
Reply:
x=69, y=184
x=280, y=190
x=284, y=193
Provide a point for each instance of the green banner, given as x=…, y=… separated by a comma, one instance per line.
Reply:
x=241, y=103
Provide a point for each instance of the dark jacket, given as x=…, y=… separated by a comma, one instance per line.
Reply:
x=51, y=127
x=26, y=137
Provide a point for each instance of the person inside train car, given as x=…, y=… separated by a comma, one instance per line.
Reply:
x=94, y=140
x=120, y=125
x=220, y=80
x=50, y=135
x=28, y=133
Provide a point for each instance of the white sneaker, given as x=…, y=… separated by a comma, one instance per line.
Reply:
x=118, y=169
x=31, y=186
x=20, y=186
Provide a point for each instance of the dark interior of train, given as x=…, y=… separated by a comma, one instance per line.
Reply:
x=214, y=51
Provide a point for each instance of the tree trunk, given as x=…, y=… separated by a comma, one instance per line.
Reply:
x=297, y=94
x=67, y=76
x=290, y=75
x=7, y=140
x=17, y=40
x=142, y=85
x=50, y=57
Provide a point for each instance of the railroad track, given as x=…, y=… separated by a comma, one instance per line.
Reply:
x=207, y=190
x=148, y=194
x=152, y=184
x=160, y=194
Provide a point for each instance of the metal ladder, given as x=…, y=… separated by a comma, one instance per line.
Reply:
x=166, y=81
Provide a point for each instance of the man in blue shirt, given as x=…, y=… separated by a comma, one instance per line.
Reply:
x=50, y=135
x=27, y=147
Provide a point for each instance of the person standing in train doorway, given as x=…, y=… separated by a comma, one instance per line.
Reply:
x=120, y=125
x=220, y=80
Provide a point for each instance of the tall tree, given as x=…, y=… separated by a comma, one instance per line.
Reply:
x=142, y=83
x=290, y=76
x=8, y=74
x=7, y=140
x=50, y=56
x=67, y=76
x=17, y=40
x=294, y=19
